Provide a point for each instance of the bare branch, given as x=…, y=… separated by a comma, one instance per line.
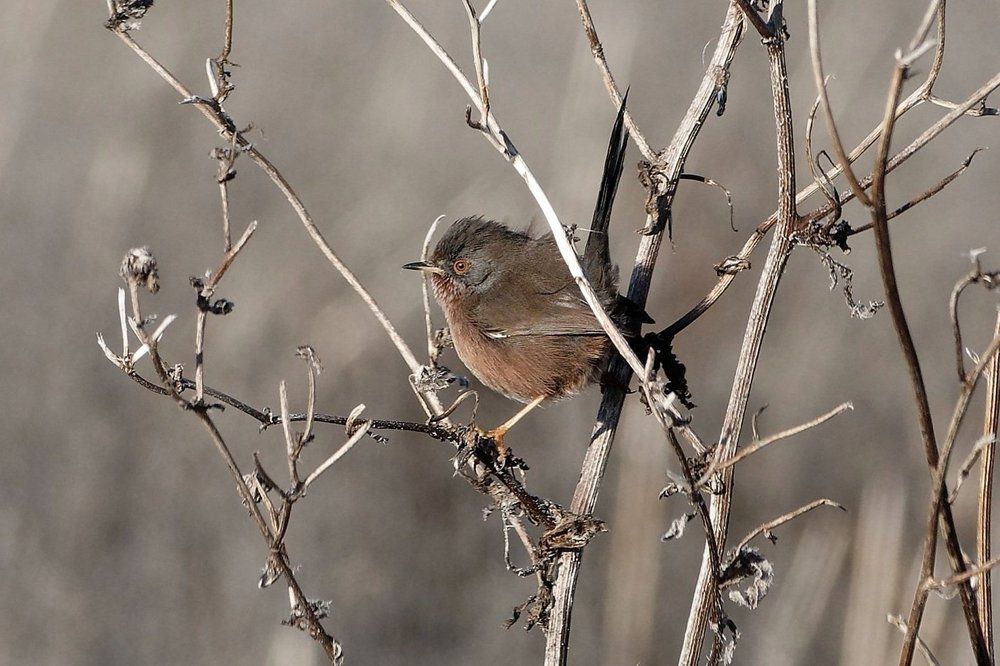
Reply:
x=358, y=435
x=225, y=126
x=984, y=518
x=597, y=49
x=754, y=335
x=898, y=622
x=596, y=458
x=759, y=444
x=769, y=526
x=831, y=125
x=741, y=259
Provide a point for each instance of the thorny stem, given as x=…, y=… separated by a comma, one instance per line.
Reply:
x=781, y=246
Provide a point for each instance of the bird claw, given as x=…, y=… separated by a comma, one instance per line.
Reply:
x=500, y=450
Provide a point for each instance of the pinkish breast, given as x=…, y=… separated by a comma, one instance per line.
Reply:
x=526, y=367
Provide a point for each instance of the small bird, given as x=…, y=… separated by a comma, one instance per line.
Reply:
x=517, y=317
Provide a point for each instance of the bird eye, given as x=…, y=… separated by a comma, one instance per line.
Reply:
x=461, y=266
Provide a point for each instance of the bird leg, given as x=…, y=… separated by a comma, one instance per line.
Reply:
x=497, y=434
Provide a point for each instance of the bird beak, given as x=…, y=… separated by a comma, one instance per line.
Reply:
x=423, y=266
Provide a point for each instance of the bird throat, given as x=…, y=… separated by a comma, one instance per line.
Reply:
x=447, y=291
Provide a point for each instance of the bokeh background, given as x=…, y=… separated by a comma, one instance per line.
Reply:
x=122, y=538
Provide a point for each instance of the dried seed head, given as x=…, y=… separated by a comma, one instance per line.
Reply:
x=139, y=266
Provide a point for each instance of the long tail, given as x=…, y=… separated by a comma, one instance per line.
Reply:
x=596, y=255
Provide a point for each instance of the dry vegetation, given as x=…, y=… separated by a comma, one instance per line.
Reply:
x=545, y=532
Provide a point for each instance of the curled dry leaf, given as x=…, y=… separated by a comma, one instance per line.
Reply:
x=677, y=527
x=751, y=574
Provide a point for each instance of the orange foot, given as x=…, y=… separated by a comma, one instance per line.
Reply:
x=497, y=435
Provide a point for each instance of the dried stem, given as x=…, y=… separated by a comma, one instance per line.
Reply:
x=920, y=198
x=338, y=454
x=940, y=507
x=938, y=504
x=753, y=338
x=279, y=556
x=477, y=53
x=597, y=49
x=596, y=458
x=831, y=126
x=991, y=428
x=740, y=260
x=922, y=647
x=432, y=347
x=977, y=570
x=224, y=124
x=719, y=465
x=767, y=527
x=228, y=43
x=206, y=290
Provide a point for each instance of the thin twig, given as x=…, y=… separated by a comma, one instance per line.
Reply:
x=477, y=54
x=279, y=557
x=769, y=526
x=205, y=292
x=970, y=461
x=220, y=121
x=358, y=435
x=597, y=49
x=432, y=347
x=831, y=125
x=923, y=196
x=227, y=47
x=718, y=465
x=968, y=574
x=898, y=622
x=290, y=439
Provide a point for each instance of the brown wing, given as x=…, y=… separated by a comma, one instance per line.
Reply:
x=547, y=303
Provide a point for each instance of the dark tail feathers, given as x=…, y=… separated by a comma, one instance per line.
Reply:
x=596, y=255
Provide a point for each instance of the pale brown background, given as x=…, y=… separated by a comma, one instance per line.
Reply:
x=123, y=540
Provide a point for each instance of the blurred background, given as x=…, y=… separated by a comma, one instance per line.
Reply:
x=123, y=539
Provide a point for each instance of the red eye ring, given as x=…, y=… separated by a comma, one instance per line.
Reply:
x=461, y=266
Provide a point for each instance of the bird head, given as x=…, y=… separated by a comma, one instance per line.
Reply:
x=466, y=261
